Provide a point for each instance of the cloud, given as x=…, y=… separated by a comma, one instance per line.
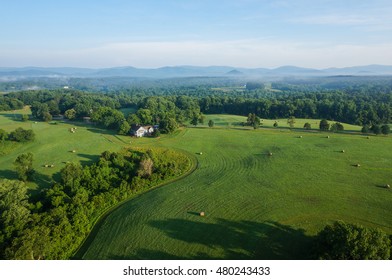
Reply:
x=238, y=53
x=342, y=20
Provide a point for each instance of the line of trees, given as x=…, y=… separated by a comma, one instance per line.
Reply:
x=18, y=135
x=53, y=225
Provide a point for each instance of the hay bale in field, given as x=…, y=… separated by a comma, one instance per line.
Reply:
x=270, y=154
x=52, y=165
x=343, y=151
x=202, y=214
x=357, y=165
x=368, y=137
x=46, y=165
x=300, y=136
x=200, y=153
x=387, y=186
x=328, y=136
x=73, y=131
x=74, y=151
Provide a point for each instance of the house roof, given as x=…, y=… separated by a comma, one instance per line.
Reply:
x=135, y=127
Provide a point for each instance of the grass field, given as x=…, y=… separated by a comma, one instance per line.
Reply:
x=231, y=121
x=54, y=145
x=257, y=206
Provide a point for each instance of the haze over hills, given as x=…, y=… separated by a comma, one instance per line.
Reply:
x=191, y=71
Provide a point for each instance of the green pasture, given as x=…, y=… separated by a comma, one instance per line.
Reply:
x=257, y=206
x=54, y=145
x=231, y=121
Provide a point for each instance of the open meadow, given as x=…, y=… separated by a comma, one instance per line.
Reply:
x=55, y=145
x=257, y=205
x=264, y=192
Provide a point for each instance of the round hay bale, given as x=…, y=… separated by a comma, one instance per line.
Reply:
x=328, y=136
x=35, y=122
x=343, y=151
x=52, y=165
x=200, y=153
x=300, y=136
x=357, y=165
x=387, y=186
x=74, y=151
x=46, y=165
x=270, y=154
x=202, y=214
x=368, y=137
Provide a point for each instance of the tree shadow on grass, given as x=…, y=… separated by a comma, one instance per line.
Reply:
x=42, y=180
x=101, y=130
x=90, y=159
x=237, y=239
x=385, y=187
x=193, y=213
x=17, y=117
x=8, y=174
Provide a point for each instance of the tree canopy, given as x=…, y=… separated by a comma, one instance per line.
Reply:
x=342, y=241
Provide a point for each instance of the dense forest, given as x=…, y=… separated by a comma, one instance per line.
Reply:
x=360, y=101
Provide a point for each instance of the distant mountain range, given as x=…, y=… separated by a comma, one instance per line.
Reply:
x=192, y=71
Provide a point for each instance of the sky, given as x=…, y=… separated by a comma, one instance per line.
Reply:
x=157, y=33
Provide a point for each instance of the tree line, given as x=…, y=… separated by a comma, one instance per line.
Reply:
x=361, y=105
x=53, y=224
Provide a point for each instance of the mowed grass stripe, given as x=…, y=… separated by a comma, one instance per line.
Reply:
x=256, y=206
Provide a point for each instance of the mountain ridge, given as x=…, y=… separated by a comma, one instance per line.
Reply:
x=191, y=71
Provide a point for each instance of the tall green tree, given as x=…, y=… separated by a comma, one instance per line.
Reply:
x=210, y=123
x=342, y=241
x=124, y=128
x=336, y=127
x=14, y=211
x=41, y=111
x=3, y=135
x=25, y=118
x=307, y=126
x=70, y=114
x=24, y=166
x=291, y=121
x=376, y=129
x=365, y=129
x=71, y=175
x=324, y=125
x=195, y=120
x=253, y=120
x=201, y=118
x=168, y=125
x=385, y=129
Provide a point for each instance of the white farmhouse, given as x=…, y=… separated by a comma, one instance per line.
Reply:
x=141, y=131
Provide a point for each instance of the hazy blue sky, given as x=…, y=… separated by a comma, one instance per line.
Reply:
x=153, y=33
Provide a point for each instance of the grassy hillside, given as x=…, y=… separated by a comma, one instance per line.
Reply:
x=256, y=205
